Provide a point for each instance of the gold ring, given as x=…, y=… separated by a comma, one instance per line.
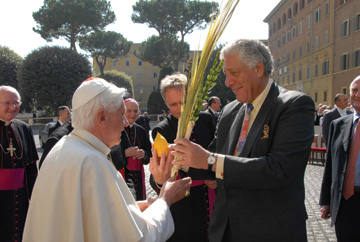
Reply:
x=187, y=193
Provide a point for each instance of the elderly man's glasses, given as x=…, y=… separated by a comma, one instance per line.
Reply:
x=7, y=104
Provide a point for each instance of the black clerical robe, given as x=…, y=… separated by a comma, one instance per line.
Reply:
x=17, y=177
x=192, y=214
x=137, y=136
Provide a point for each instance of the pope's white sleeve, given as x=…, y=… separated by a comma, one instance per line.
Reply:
x=160, y=224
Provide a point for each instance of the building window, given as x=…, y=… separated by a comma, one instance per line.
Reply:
x=289, y=13
x=288, y=36
x=316, y=70
x=287, y=57
x=274, y=27
x=155, y=75
x=279, y=23
x=283, y=80
x=326, y=37
x=308, y=47
x=284, y=19
x=115, y=63
x=316, y=96
x=344, y=62
x=140, y=63
x=300, y=51
x=325, y=96
x=300, y=25
x=140, y=75
x=270, y=31
x=344, y=90
x=317, y=42
x=295, y=8
x=327, y=9
x=325, y=67
x=308, y=72
x=357, y=22
x=283, y=39
x=288, y=79
x=308, y=21
x=317, y=15
x=302, y=4
x=294, y=76
x=356, y=58
x=294, y=54
x=294, y=32
x=127, y=62
x=300, y=75
x=278, y=43
x=345, y=28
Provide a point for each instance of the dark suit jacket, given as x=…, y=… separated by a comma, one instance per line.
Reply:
x=52, y=129
x=261, y=197
x=335, y=166
x=328, y=118
x=214, y=116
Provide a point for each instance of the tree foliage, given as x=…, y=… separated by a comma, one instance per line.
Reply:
x=105, y=44
x=153, y=51
x=49, y=76
x=120, y=79
x=9, y=65
x=156, y=103
x=70, y=19
x=174, y=19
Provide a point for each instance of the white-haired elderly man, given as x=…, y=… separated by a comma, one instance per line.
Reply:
x=80, y=196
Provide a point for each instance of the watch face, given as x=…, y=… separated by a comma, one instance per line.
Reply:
x=211, y=159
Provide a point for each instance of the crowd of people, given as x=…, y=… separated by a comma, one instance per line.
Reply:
x=241, y=172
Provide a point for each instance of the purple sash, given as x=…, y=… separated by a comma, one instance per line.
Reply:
x=11, y=178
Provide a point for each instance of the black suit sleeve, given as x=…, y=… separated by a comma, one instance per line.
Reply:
x=50, y=143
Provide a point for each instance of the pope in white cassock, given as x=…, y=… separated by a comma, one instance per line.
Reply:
x=80, y=196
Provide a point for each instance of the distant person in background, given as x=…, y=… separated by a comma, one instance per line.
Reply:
x=136, y=147
x=205, y=105
x=163, y=115
x=64, y=115
x=214, y=105
x=341, y=103
x=144, y=121
x=18, y=170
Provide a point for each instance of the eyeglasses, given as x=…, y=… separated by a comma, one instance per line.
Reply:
x=7, y=104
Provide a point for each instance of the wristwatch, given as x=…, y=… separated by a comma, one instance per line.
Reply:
x=211, y=161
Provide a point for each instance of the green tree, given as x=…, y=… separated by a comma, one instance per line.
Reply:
x=166, y=70
x=152, y=50
x=120, y=79
x=49, y=77
x=105, y=44
x=9, y=65
x=174, y=19
x=70, y=19
x=156, y=103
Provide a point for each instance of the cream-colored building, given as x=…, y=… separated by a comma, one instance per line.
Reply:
x=306, y=43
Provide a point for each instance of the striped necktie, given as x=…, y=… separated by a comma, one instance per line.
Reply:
x=242, y=138
x=348, y=189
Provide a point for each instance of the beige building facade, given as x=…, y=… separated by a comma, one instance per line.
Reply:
x=306, y=43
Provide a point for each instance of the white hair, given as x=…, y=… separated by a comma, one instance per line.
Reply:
x=10, y=89
x=110, y=100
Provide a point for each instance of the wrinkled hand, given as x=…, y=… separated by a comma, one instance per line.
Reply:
x=140, y=153
x=325, y=211
x=131, y=151
x=187, y=153
x=160, y=169
x=173, y=191
x=212, y=184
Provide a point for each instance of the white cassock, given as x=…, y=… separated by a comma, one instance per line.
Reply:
x=80, y=196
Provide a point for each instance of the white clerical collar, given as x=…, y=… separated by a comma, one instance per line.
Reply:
x=6, y=122
x=92, y=139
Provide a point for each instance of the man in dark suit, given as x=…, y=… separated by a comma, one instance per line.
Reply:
x=214, y=105
x=343, y=208
x=144, y=121
x=341, y=102
x=260, y=192
x=64, y=115
x=192, y=214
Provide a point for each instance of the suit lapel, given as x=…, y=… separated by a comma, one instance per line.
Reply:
x=258, y=125
x=346, y=131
